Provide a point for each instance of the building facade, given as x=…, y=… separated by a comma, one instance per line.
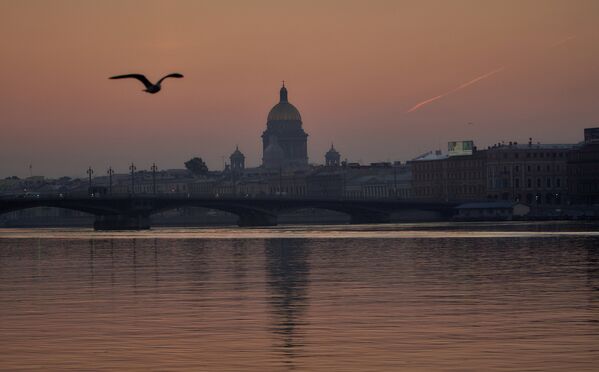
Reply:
x=237, y=160
x=534, y=174
x=332, y=158
x=437, y=177
x=583, y=170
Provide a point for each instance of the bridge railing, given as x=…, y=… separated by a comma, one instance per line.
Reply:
x=209, y=197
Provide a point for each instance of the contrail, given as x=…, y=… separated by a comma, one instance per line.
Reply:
x=477, y=79
x=563, y=41
x=459, y=87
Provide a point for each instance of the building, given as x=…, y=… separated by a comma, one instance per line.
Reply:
x=170, y=181
x=583, y=170
x=374, y=181
x=332, y=158
x=534, y=174
x=326, y=182
x=284, y=142
x=237, y=160
x=385, y=185
x=459, y=178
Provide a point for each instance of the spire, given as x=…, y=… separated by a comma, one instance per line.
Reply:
x=283, y=93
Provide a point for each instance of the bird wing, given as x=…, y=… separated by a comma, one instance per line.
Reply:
x=139, y=77
x=175, y=75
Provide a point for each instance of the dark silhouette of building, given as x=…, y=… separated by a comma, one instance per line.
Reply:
x=274, y=155
x=285, y=133
x=437, y=177
x=332, y=157
x=583, y=170
x=535, y=174
x=237, y=160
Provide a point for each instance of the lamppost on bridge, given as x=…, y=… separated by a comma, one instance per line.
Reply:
x=154, y=169
x=395, y=181
x=110, y=172
x=132, y=168
x=89, y=172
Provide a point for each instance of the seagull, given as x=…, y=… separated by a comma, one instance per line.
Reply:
x=150, y=88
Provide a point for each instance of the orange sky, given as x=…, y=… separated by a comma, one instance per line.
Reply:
x=353, y=68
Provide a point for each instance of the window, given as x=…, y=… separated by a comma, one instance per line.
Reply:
x=517, y=182
x=558, y=182
x=548, y=182
x=538, y=182
x=529, y=183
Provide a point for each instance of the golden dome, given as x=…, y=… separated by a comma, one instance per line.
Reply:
x=284, y=110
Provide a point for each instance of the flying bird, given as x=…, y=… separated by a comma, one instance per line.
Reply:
x=150, y=88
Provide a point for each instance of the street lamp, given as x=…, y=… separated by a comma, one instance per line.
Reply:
x=110, y=172
x=132, y=168
x=154, y=169
x=395, y=181
x=89, y=172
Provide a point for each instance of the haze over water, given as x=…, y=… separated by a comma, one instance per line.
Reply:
x=394, y=297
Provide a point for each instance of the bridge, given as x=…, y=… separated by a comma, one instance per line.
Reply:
x=132, y=212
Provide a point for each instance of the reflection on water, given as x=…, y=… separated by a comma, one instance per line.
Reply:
x=288, y=279
x=330, y=300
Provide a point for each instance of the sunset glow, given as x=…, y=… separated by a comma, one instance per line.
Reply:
x=359, y=72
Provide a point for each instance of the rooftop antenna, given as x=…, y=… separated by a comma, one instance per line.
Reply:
x=30, y=170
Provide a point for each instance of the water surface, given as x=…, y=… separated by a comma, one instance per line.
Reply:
x=422, y=297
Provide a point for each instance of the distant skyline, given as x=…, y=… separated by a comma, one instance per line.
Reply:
x=383, y=80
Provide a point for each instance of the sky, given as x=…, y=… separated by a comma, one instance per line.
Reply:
x=383, y=80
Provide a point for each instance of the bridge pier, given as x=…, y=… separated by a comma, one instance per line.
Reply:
x=254, y=218
x=121, y=222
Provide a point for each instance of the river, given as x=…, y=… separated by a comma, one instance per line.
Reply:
x=414, y=297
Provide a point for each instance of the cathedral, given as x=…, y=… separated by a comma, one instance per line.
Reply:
x=284, y=142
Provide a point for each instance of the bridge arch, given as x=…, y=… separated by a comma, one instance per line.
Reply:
x=61, y=206
x=248, y=215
